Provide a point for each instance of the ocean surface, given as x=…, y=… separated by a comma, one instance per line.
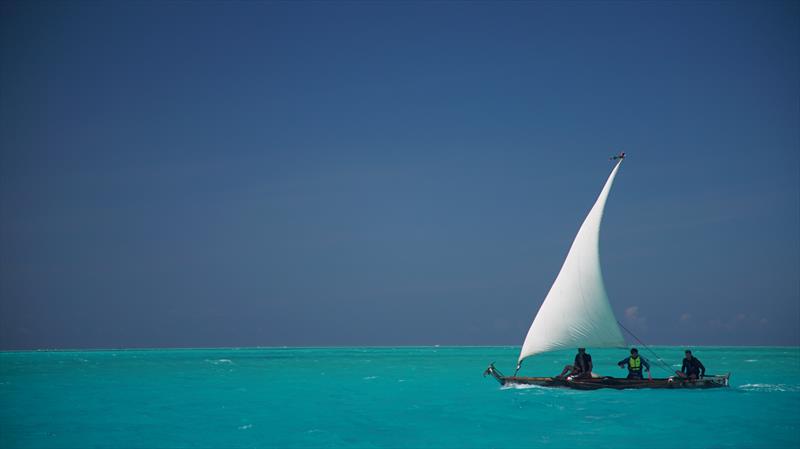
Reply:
x=405, y=397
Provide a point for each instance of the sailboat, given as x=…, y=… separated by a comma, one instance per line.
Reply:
x=576, y=314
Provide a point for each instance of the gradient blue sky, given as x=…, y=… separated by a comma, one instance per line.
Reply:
x=393, y=173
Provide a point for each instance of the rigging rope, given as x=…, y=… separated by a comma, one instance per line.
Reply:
x=658, y=359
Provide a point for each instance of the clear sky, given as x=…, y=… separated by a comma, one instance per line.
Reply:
x=393, y=173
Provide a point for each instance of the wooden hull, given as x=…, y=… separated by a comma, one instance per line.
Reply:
x=611, y=382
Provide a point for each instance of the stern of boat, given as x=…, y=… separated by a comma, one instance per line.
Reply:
x=709, y=381
x=722, y=380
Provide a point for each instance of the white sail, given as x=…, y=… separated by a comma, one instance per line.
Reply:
x=576, y=312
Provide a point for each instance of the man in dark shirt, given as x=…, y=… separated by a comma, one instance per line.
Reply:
x=692, y=368
x=582, y=366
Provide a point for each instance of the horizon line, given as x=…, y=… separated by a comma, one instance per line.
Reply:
x=197, y=348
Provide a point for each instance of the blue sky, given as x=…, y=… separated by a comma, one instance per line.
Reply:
x=393, y=173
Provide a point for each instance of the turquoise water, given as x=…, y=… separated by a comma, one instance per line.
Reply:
x=405, y=397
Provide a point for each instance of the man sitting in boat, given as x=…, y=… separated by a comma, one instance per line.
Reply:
x=634, y=363
x=581, y=368
x=692, y=368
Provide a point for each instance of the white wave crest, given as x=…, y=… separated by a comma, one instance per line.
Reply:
x=220, y=362
x=524, y=387
x=769, y=387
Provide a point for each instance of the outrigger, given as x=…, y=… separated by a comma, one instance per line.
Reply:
x=576, y=313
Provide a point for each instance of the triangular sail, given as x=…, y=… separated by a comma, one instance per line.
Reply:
x=576, y=312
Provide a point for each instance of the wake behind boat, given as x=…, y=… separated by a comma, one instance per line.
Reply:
x=576, y=314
